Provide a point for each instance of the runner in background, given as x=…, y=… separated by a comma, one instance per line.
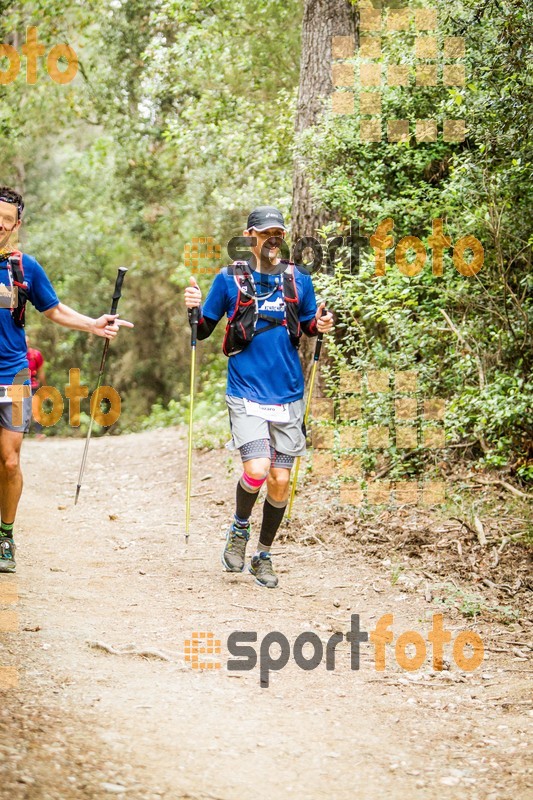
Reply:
x=35, y=288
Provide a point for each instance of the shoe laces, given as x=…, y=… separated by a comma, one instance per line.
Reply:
x=242, y=533
x=6, y=548
x=238, y=541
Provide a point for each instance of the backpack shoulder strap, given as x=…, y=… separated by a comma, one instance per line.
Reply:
x=292, y=304
x=290, y=288
x=243, y=277
x=240, y=328
x=17, y=271
x=17, y=268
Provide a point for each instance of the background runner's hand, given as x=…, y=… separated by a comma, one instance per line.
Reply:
x=108, y=325
x=193, y=295
x=323, y=323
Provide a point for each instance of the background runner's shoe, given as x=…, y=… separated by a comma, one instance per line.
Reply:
x=261, y=569
x=235, y=549
x=7, y=554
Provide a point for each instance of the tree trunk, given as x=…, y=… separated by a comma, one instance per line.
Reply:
x=322, y=20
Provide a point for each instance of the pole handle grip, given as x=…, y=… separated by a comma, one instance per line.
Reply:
x=117, y=293
x=319, y=339
x=194, y=315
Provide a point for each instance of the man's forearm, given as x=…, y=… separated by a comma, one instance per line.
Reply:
x=68, y=318
x=206, y=326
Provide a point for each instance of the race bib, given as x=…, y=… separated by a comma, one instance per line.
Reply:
x=8, y=296
x=272, y=412
x=5, y=394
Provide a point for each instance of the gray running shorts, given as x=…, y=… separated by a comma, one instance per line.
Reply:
x=6, y=416
x=285, y=437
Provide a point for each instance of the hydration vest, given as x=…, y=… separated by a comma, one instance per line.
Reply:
x=16, y=273
x=241, y=326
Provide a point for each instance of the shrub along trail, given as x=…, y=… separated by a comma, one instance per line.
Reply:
x=108, y=593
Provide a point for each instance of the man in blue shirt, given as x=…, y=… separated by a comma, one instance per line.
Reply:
x=265, y=381
x=13, y=361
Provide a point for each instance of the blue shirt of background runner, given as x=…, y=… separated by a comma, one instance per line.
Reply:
x=269, y=369
x=41, y=294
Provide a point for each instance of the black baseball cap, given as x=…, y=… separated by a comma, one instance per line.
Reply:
x=264, y=217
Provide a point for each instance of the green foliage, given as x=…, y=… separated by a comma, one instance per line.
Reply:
x=177, y=124
x=469, y=338
x=472, y=605
x=182, y=117
x=210, y=418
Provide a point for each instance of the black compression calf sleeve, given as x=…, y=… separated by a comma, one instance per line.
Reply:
x=272, y=516
x=245, y=501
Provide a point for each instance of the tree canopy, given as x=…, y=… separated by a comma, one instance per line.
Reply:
x=183, y=116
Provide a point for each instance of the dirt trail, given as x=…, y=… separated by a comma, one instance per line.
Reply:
x=85, y=723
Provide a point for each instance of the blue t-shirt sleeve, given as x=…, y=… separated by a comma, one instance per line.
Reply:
x=307, y=300
x=216, y=302
x=41, y=293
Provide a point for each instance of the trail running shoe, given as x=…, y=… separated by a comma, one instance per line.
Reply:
x=235, y=549
x=261, y=569
x=7, y=554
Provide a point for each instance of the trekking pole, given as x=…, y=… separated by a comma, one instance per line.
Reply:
x=116, y=297
x=318, y=348
x=194, y=332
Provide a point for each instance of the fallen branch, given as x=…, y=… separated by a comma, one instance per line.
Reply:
x=508, y=486
x=129, y=650
x=519, y=644
x=502, y=586
x=309, y=537
x=480, y=531
x=465, y=524
x=515, y=702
